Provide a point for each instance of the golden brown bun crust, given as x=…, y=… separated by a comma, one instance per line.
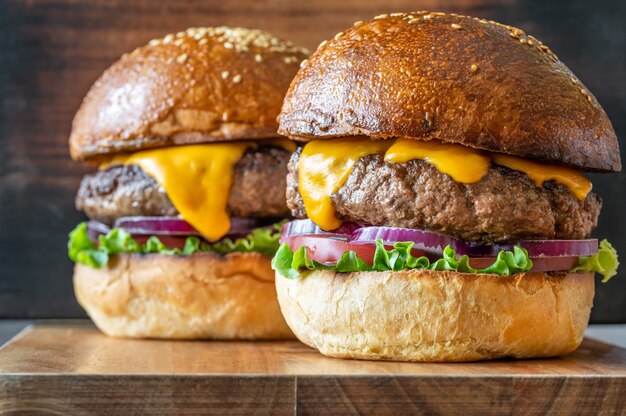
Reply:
x=204, y=84
x=437, y=316
x=183, y=297
x=453, y=78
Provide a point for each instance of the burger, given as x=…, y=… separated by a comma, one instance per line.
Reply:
x=190, y=186
x=443, y=213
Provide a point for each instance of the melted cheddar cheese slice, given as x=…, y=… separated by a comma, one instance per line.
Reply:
x=197, y=179
x=541, y=172
x=463, y=164
x=325, y=165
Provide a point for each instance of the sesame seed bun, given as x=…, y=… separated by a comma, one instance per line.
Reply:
x=419, y=315
x=200, y=85
x=199, y=296
x=452, y=78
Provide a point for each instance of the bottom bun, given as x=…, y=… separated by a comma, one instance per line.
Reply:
x=419, y=315
x=203, y=295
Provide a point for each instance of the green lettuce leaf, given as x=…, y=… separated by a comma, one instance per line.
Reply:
x=288, y=263
x=604, y=262
x=84, y=251
x=260, y=240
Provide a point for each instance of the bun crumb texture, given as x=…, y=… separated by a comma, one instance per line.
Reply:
x=431, y=316
x=201, y=296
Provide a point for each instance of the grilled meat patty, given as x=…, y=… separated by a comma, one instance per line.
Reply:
x=258, y=189
x=504, y=205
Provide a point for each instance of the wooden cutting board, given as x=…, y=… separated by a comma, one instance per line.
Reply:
x=73, y=369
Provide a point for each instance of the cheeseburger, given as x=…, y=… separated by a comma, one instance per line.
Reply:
x=190, y=186
x=443, y=210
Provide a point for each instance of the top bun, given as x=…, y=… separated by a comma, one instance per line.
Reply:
x=201, y=85
x=453, y=78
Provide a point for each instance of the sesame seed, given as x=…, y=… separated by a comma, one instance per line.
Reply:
x=427, y=16
x=381, y=16
x=238, y=39
x=583, y=91
x=182, y=58
x=224, y=116
x=322, y=44
x=513, y=35
x=237, y=79
x=303, y=63
x=455, y=26
x=338, y=35
x=530, y=42
x=258, y=58
x=523, y=40
x=589, y=98
x=225, y=74
x=574, y=80
x=358, y=22
x=474, y=67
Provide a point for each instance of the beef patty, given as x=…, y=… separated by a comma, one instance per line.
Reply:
x=504, y=205
x=258, y=189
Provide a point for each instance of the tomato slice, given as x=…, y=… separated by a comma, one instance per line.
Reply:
x=169, y=241
x=328, y=251
x=540, y=264
x=552, y=264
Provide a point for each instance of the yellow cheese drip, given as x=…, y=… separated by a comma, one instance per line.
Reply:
x=325, y=165
x=197, y=179
x=463, y=164
x=323, y=168
x=541, y=172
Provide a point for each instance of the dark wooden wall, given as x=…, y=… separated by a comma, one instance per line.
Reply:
x=51, y=51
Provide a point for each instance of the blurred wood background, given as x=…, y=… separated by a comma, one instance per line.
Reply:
x=51, y=51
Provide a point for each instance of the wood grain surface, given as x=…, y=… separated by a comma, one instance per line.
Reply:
x=51, y=51
x=74, y=369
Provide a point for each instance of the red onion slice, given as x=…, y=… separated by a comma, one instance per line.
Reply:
x=95, y=229
x=155, y=226
x=558, y=248
x=308, y=227
x=431, y=242
x=435, y=243
x=176, y=226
